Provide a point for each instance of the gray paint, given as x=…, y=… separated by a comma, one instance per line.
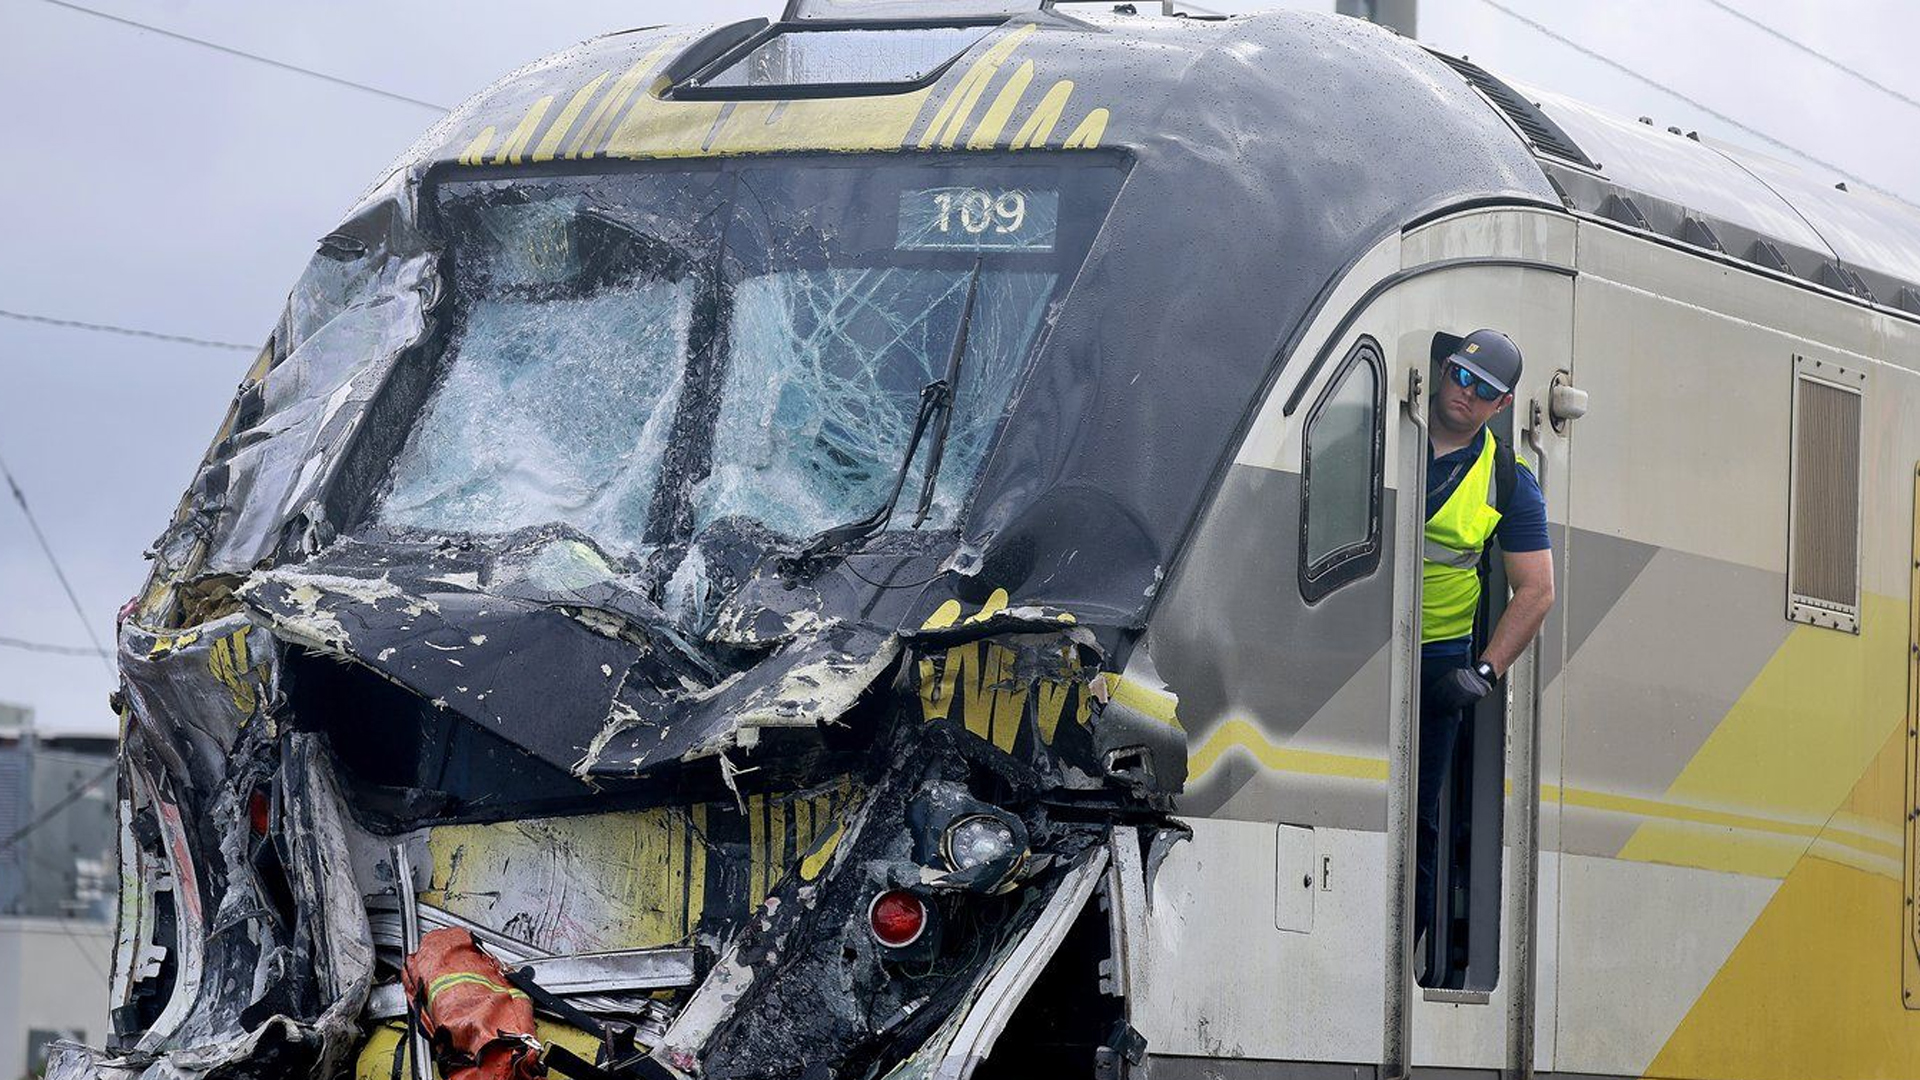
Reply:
x=1654, y=678
x=1604, y=566
x=1233, y=634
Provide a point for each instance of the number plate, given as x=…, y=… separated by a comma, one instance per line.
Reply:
x=979, y=218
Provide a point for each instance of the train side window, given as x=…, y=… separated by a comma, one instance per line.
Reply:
x=1342, y=454
x=1823, y=538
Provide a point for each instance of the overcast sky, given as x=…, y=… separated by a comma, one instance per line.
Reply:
x=168, y=186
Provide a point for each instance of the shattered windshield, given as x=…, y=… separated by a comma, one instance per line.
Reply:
x=642, y=354
x=567, y=362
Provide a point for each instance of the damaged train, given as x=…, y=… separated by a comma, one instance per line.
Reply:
x=873, y=545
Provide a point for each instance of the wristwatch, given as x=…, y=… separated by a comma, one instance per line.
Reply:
x=1485, y=671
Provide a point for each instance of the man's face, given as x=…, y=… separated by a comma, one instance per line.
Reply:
x=1459, y=408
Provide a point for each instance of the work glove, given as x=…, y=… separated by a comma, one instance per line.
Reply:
x=1461, y=688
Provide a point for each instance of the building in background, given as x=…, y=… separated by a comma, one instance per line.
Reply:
x=57, y=889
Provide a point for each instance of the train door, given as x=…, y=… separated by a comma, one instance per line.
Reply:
x=1289, y=633
x=1479, y=994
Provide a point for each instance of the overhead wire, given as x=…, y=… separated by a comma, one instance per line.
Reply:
x=243, y=54
x=41, y=819
x=1803, y=47
x=60, y=574
x=128, y=331
x=1709, y=110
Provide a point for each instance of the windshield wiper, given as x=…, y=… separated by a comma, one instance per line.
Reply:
x=950, y=386
x=936, y=399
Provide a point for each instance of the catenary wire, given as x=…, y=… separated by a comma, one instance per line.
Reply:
x=1803, y=47
x=128, y=331
x=243, y=54
x=24, y=645
x=1709, y=110
x=33, y=523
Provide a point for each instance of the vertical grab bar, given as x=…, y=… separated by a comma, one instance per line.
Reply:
x=1409, y=530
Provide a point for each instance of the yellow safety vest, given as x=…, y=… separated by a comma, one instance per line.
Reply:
x=1457, y=535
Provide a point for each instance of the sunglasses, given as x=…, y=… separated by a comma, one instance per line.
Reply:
x=1481, y=388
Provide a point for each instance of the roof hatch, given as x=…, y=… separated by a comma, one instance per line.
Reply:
x=796, y=60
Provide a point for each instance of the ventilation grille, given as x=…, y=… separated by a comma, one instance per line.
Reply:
x=1540, y=130
x=1824, y=559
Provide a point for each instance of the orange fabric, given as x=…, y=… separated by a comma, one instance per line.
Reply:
x=481, y=1027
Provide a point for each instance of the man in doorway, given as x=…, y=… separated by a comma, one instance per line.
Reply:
x=1478, y=492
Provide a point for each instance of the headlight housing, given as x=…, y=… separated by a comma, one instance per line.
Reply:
x=977, y=840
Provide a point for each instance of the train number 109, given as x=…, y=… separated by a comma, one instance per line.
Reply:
x=976, y=210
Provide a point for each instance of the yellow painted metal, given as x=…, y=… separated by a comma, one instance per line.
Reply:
x=606, y=114
x=757, y=883
x=624, y=880
x=1810, y=990
x=1242, y=734
x=1040, y=123
x=815, y=862
x=998, y=113
x=1087, y=135
x=563, y=124
x=514, y=150
x=1792, y=747
x=980, y=677
x=1148, y=701
x=631, y=117
x=227, y=659
x=957, y=109
x=476, y=151
x=1857, y=835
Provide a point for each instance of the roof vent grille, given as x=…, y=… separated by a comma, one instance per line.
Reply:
x=1539, y=129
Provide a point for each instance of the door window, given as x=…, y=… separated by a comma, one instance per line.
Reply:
x=1340, y=476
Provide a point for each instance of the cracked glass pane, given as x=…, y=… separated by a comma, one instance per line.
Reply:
x=552, y=411
x=564, y=374
x=825, y=382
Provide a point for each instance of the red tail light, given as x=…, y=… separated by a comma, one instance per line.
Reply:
x=898, y=918
x=260, y=811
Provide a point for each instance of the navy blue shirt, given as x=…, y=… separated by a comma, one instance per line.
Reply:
x=1523, y=523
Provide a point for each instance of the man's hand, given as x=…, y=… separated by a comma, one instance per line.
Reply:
x=1460, y=688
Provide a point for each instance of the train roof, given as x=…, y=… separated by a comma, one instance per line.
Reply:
x=1708, y=194
x=879, y=76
